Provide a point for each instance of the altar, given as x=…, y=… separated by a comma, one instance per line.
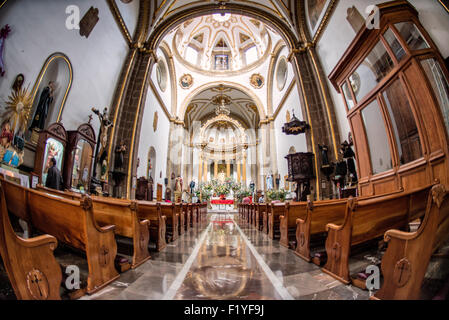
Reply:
x=222, y=204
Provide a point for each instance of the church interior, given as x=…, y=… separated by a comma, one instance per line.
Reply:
x=224, y=150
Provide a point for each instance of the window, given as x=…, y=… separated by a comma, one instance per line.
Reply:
x=251, y=55
x=394, y=44
x=348, y=96
x=377, y=138
x=403, y=123
x=372, y=70
x=410, y=33
x=440, y=86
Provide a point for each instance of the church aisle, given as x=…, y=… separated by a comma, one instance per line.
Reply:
x=222, y=259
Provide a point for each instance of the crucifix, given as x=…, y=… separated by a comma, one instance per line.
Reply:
x=105, y=124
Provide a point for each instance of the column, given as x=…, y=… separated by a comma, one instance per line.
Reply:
x=215, y=169
x=238, y=171
x=228, y=169
x=200, y=168
x=205, y=169
x=244, y=168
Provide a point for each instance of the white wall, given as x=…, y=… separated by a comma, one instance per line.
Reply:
x=339, y=34
x=285, y=142
x=39, y=29
x=149, y=138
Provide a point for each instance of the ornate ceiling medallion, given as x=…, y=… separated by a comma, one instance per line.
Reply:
x=186, y=81
x=257, y=81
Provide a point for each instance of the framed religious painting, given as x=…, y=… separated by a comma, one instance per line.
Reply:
x=186, y=81
x=315, y=12
x=445, y=4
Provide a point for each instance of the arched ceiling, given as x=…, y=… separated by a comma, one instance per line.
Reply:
x=242, y=107
x=281, y=9
x=201, y=41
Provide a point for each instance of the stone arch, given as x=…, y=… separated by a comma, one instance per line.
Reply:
x=248, y=91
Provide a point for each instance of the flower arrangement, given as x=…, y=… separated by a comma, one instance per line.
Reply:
x=280, y=194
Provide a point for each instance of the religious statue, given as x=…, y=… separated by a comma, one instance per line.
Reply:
x=192, y=186
x=252, y=186
x=150, y=189
x=120, y=155
x=18, y=83
x=269, y=182
x=105, y=124
x=7, y=135
x=43, y=107
x=324, y=157
x=178, y=184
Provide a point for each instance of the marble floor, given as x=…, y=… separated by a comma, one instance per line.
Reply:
x=226, y=260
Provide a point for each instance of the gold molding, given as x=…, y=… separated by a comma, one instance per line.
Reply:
x=159, y=99
x=280, y=45
x=120, y=22
x=57, y=55
x=324, y=21
x=312, y=136
x=118, y=106
x=323, y=92
x=284, y=98
x=3, y=3
x=133, y=138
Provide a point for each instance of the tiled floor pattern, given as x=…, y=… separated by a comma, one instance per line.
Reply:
x=224, y=266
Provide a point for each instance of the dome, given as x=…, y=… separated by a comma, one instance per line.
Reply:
x=222, y=43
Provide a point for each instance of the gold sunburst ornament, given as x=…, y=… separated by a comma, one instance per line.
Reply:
x=18, y=109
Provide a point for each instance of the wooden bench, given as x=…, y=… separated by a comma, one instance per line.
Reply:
x=203, y=212
x=368, y=219
x=312, y=223
x=152, y=211
x=128, y=223
x=182, y=218
x=253, y=214
x=277, y=209
x=30, y=264
x=171, y=222
x=186, y=209
x=119, y=212
x=73, y=223
x=287, y=222
x=407, y=257
x=265, y=218
x=260, y=209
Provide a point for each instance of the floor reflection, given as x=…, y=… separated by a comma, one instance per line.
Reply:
x=224, y=268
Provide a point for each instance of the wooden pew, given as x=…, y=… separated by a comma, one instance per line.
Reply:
x=368, y=219
x=313, y=223
x=194, y=214
x=407, y=257
x=119, y=212
x=265, y=218
x=145, y=210
x=182, y=218
x=186, y=208
x=73, y=223
x=203, y=212
x=277, y=209
x=287, y=222
x=151, y=211
x=30, y=264
x=124, y=215
x=253, y=214
x=171, y=222
x=260, y=209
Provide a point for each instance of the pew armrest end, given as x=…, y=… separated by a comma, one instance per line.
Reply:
x=400, y=235
x=39, y=241
x=332, y=226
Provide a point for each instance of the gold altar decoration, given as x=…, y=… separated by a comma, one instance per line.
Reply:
x=18, y=109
